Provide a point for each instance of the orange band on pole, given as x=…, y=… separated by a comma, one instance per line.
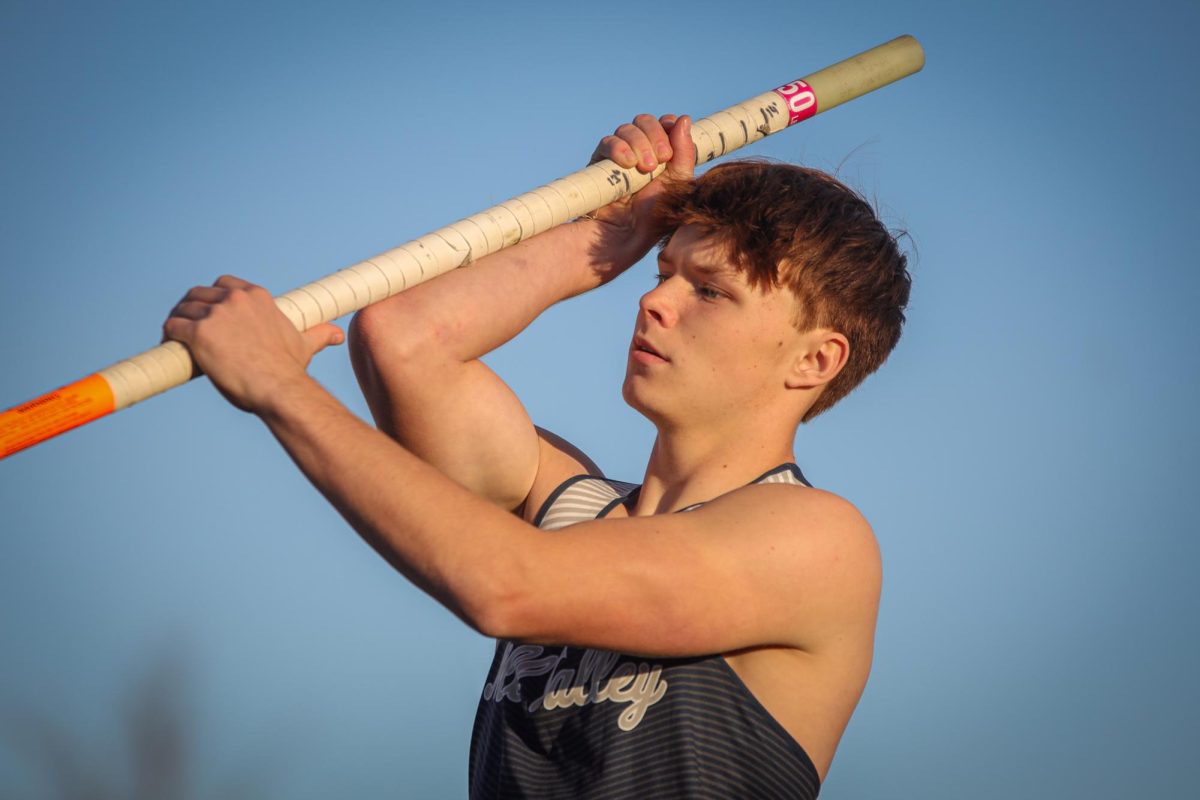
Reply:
x=59, y=411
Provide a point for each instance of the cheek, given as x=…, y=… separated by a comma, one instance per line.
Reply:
x=732, y=354
x=752, y=355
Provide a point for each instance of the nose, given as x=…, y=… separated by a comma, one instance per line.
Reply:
x=657, y=304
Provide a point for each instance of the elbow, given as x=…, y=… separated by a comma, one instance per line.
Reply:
x=379, y=333
x=490, y=621
x=388, y=341
x=496, y=608
x=399, y=333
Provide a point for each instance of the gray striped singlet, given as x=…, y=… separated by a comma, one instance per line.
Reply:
x=572, y=722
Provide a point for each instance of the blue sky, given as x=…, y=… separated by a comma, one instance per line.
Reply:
x=1026, y=456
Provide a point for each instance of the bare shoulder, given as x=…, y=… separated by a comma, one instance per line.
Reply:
x=558, y=461
x=818, y=546
x=799, y=512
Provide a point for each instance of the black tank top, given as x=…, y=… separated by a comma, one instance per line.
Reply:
x=572, y=722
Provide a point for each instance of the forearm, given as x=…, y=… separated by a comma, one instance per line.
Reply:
x=472, y=311
x=449, y=542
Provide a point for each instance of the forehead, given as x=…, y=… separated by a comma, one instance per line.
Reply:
x=690, y=246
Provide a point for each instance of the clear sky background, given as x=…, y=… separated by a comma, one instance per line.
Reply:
x=1027, y=457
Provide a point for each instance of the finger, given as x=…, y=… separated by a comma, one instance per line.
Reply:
x=203, y=294
x=191, y=309
x=683, y=163
x=657, y=135
x=321, y=336
x=233, y=282
x=617, y=150
x=636, y=138
x=178, y=328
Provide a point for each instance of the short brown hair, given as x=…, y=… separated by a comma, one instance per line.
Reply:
x=804, y=229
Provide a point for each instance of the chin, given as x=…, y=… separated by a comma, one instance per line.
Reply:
x=637, y=400
x=628, y=394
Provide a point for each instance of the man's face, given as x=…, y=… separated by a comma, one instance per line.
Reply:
x=707, y=347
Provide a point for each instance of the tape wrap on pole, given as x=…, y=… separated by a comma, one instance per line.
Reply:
x=457, y=245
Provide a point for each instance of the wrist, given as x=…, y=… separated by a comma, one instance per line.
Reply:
x=285, y=397
x=614, y=246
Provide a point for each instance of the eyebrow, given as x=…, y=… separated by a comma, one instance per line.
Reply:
x=703, y=269
x=707, y=270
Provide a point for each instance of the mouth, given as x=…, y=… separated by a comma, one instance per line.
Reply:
x=643, y=351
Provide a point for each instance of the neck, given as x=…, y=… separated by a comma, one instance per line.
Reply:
x=688, y=467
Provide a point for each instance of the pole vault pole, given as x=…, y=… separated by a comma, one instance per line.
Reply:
x=355, y=287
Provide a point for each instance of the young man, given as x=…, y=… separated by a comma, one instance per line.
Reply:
x=708, y=633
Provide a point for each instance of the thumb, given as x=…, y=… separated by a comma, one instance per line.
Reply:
x=683, y=164
x=321, y=336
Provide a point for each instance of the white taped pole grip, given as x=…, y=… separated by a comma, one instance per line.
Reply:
x=355, y=287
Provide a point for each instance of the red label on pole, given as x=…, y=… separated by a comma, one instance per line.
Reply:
x=800, y=100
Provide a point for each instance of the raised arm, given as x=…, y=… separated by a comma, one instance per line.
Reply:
x=417, y=354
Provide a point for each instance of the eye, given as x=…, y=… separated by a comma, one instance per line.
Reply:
x=707, y=292
x=660, y=277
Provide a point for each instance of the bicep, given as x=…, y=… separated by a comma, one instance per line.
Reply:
x=475, y=429
x=457, y=416
x=462, y=418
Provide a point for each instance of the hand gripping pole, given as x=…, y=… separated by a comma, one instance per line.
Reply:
x=347, y=290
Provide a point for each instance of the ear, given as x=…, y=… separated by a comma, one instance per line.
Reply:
x=820, y=358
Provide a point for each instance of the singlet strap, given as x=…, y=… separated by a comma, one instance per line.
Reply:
x=784, y=473
x=581, y=498
x=588, y=497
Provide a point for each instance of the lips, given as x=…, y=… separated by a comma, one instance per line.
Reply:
x=640, y=345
